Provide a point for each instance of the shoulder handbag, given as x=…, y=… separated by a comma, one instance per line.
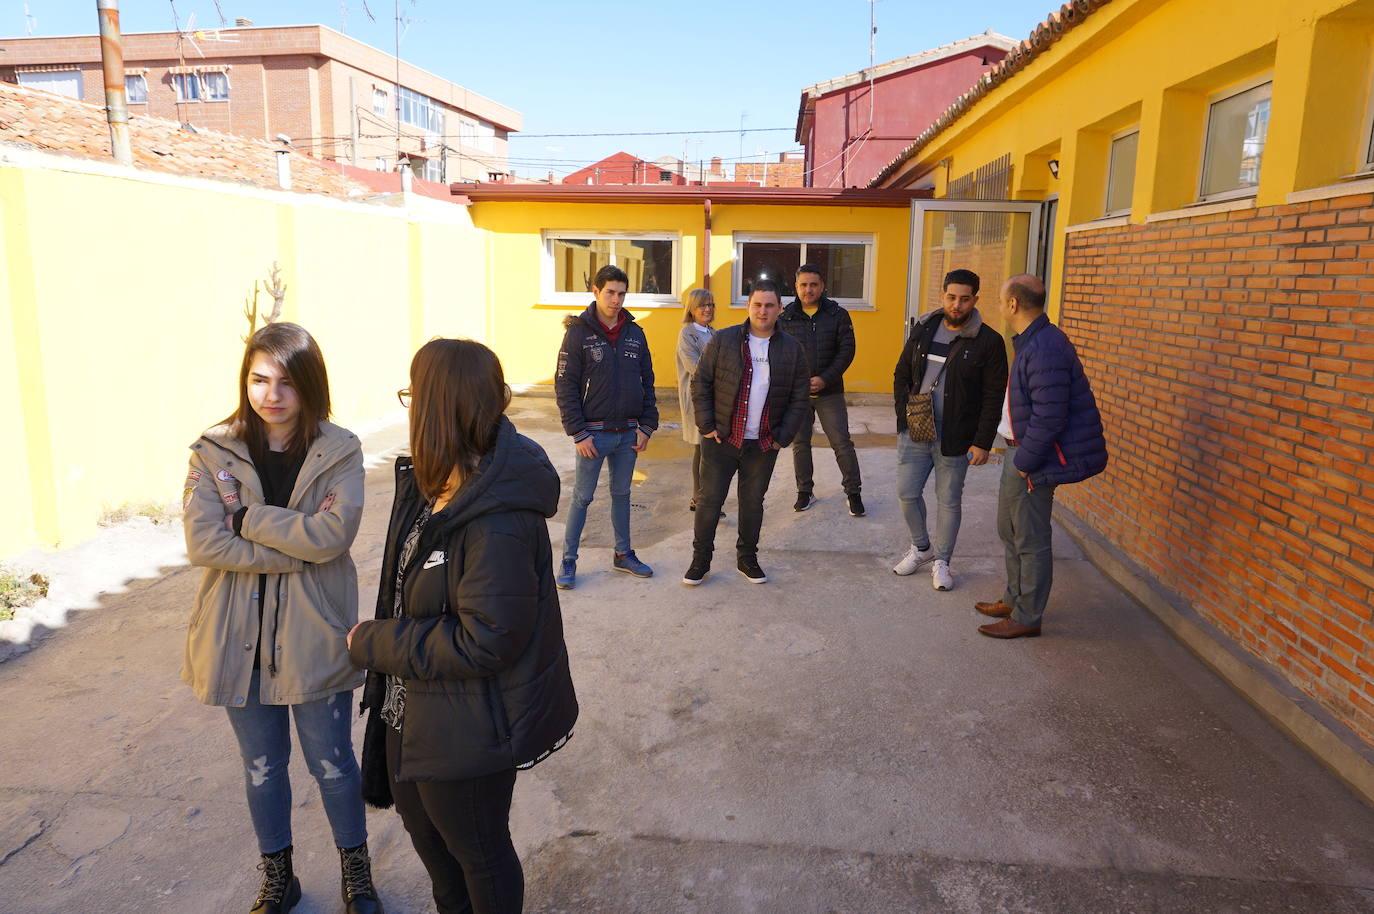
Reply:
x=920, y=411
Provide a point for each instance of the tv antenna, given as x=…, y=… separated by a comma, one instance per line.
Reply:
x=345, y=8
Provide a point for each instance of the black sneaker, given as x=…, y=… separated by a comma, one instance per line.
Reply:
x=856, y=505
x=804, y=501
x=751, y=570
x=697, y=573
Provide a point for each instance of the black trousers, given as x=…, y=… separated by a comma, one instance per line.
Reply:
x=719, y=464
x=834, y=416
x=461, y=832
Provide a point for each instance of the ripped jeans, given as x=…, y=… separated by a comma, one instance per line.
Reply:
x=325, y=730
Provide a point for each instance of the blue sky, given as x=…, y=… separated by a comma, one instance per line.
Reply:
x=609, y=66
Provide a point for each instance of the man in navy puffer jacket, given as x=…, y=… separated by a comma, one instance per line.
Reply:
x=1054, y=436
x=605, y=389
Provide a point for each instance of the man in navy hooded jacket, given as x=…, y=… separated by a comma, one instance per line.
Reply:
x=1054, y=437
x=605, y=389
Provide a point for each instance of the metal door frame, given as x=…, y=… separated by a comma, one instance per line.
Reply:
x=919, y=208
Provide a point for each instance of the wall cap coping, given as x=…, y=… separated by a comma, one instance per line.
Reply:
x=1202, y=209
x=1330, y=191
x=1104, y=222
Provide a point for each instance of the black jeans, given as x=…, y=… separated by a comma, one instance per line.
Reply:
x=461, y=832
x=719, y=463
x=834, y=417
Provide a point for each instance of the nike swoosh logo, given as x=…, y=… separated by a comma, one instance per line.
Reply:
x=435, y=559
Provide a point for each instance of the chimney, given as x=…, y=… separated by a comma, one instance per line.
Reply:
x=243, y=22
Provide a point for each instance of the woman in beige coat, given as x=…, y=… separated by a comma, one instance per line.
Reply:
x=273, y=499
x=691, y=343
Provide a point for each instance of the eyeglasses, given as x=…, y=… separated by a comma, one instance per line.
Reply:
x=404, y=396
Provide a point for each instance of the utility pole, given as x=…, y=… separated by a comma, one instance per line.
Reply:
x=112, y=65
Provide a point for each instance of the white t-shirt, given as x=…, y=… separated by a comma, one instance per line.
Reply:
x=1004, y=427
x=758, y=385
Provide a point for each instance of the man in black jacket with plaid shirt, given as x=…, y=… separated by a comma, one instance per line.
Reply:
x=749, y=397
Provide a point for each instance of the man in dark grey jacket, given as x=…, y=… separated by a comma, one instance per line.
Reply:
x=749, y=397
x=826, y=332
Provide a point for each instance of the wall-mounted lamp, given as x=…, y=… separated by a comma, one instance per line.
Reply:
x=1054, y=167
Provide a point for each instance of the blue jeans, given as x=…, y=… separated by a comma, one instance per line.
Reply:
x=915, y=460
x=614, y=448
x=324, y=728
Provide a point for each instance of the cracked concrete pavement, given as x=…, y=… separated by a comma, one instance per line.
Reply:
x=839, y=740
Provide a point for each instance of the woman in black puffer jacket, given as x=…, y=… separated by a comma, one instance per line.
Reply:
x=469, y=677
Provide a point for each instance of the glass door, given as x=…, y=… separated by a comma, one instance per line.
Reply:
x=995, y=239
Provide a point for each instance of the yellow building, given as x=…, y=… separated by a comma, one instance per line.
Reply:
x=1195, y=180
x=544, y=243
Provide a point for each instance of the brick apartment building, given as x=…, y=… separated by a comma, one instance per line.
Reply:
x=787, y=171
x=336, y=97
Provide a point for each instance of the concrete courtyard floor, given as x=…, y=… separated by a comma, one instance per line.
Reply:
x=838, y=740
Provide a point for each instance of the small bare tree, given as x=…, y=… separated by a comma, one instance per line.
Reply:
x=274, y=287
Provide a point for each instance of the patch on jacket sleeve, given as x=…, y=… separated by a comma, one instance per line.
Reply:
x=193, y=476
x=225, y=476
x=562, y=363
x=436, y=558
x=231, y=498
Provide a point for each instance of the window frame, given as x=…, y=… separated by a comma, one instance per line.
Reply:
x=128, y=96
x=1107, y=211
x=422, y=102
x=22, y=72
x=640, y=300
x=868, y=240
x=177, y=84
x=205, y=95
x=1215, y=98
x=1366, y=155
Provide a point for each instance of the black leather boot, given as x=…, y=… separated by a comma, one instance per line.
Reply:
x=280, y=889
x=359, y=895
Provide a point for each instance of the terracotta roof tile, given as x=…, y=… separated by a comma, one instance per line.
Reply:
x=34, y=119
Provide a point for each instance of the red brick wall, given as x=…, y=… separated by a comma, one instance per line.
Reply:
x=1233, y=360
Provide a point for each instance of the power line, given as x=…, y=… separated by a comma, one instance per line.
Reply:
x=531, y=136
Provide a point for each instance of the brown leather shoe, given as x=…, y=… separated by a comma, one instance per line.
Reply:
x=998, y=610
x=1008, y=628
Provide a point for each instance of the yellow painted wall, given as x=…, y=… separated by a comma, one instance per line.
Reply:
x=123, y=329
x=1156, y=63
x=526, y=332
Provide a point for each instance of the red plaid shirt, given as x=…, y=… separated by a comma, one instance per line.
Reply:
x=740, y=417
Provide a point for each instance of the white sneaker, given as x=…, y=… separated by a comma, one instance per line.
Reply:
x=940, y=578
x=913, y=559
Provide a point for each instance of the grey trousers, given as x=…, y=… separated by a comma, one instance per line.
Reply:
x=835, y=423
x=1023, y=523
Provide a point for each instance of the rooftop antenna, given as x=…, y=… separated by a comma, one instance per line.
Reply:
x=400, y=35
x=30, y=23
x=345, y=7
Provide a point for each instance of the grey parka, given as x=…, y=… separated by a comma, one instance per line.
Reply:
x=312, y=586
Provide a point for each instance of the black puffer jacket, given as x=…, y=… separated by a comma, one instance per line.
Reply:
x=828, y=339
x=975, y=382
x=716, y=383
x=598, y=382
x=481, y=645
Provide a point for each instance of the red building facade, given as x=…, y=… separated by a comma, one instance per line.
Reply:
x=854, y=125
x=623, y=168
